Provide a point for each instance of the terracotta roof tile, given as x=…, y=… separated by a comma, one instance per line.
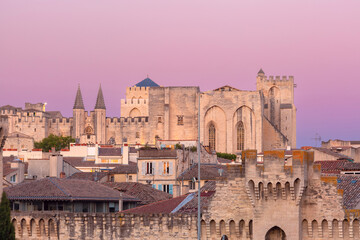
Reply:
x=145, y=193
x=130, y=168
x=332, y=167
x=165, y=206
x=207, y=172
x=156, y=153
x=61, y=189
x=91, y=176
x=351, y=186
x=182, y=204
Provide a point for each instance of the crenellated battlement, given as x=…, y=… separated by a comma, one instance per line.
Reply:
x=138, y=88
x=277, y=162
x=278, y=175
x=276, y=78
x=126, y=120
x=40, y=225
x=134, y=101
x=61, y=120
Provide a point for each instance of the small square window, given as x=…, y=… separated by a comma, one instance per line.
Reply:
x=180, y=120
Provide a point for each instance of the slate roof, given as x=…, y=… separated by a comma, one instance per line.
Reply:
x=78, y=104
x=182, y=204
x=351, y=186
x=261, y=71
x=207, y=172
x=62, y=189
x=157, y=153
x=100, y=103
x=147, y=82
x=90, y=176
x=145, y=193
x=110, y=151
x=130, y=168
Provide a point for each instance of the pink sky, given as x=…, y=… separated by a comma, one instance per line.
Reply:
x=48, y=47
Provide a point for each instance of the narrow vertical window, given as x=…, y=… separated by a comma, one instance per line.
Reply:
x=212, y=136
x=240, y=136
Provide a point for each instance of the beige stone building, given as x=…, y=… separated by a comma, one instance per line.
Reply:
x=231, y=120
x=277, y=199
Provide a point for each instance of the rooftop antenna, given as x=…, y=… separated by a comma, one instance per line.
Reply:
x=317, y=139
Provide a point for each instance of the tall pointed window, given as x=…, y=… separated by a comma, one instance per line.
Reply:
x=212, y=136
x=240, y=136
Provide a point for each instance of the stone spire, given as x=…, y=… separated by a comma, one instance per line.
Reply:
x=100, y=103
x=79, y=104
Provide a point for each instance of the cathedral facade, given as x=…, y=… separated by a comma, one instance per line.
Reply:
x=231, y=120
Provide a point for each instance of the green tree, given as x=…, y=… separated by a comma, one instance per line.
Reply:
x=226, y=155
x=7, y=230
x=58, y=142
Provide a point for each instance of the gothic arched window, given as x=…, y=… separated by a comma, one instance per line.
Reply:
x=212, y=136
x=240, y=136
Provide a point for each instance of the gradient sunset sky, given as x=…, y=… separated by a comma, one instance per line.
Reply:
x=48, y=47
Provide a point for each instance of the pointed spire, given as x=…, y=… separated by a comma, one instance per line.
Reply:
x=79, y=104
x=261, y=71
x=100, y=103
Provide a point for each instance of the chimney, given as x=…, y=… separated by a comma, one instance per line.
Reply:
x=125, y=153
x=121, y=202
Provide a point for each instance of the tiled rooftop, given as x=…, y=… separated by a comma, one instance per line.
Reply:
x=351, y=186
x=62, y=189
x=130, y=168
x=207, y=172
x=156, y=153
x=182, y=204
x=90, y=176
x=145, y=193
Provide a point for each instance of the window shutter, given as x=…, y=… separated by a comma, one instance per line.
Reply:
x=160, y=187
x=154, y=168
x=143, y=170
x=161, y=168
x=171, y=168
x=171, y=189
x=154, y=186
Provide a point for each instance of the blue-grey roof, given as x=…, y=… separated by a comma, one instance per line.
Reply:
x=147, y=82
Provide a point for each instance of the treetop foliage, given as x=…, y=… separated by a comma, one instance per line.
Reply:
x=52, y=140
